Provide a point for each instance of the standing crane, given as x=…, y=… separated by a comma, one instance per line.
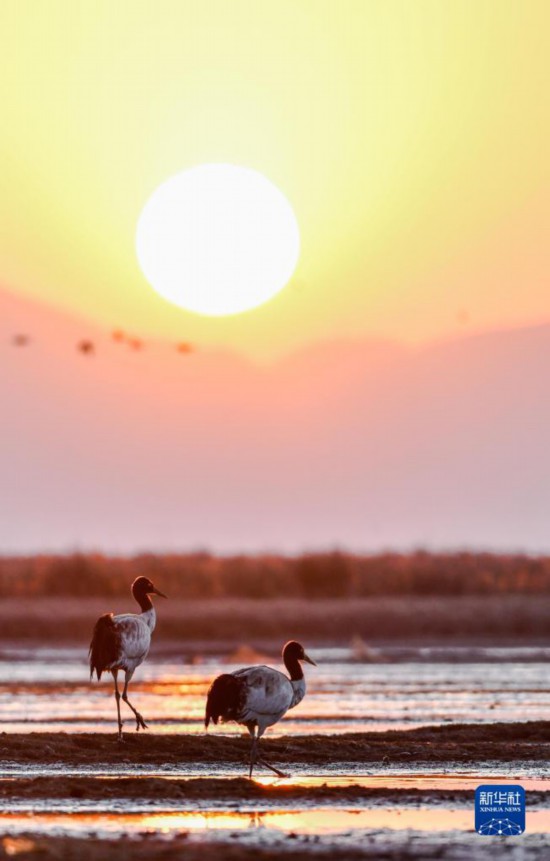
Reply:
x=122, y=643
x=258, y=697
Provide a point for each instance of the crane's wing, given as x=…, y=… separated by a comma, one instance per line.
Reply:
x=268, y=692
x=105, y=645
x=134, y=635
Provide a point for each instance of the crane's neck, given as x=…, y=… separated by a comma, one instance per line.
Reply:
x=148, y=613
x=144, y=601
x=299, y=691
x=297, y=680
x=150, y=618
x=294, y=668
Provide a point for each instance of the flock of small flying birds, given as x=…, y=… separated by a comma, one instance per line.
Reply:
x=88, y=347
x=256, y=697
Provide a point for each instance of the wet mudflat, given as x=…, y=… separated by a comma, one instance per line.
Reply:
x=78, y=794
x=463, y=743
x=381, y=846
x=83, y=796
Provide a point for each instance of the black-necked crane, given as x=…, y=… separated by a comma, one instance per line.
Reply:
x=122, y=643
x=258, y=697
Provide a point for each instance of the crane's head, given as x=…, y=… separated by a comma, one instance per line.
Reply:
x=294, y=651
x=142, y=586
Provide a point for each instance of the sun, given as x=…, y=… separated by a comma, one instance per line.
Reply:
x=217, y=239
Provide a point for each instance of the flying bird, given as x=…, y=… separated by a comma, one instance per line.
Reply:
x=122, y=643
x=183, y=347
x=20, y=340
x=258, y=697
x=86, y=347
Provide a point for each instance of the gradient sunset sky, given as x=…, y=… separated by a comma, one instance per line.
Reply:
x=394, y=393
x=411, y=138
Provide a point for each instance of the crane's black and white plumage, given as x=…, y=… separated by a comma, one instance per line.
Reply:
x=122, y=642
x=258, y=697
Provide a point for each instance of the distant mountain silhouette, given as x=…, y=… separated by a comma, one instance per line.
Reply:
x=362, y=445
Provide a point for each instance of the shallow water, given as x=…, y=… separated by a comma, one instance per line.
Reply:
x=49, y=690
x=532, y=775
x=425, y=780
x=313, y=821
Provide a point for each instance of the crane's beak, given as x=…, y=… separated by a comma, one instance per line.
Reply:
x=158, y=592
x=309, y=660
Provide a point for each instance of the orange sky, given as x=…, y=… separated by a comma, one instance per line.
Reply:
x=412, y=140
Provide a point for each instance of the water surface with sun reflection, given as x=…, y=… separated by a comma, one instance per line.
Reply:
x=49, y=690
x=349, y=825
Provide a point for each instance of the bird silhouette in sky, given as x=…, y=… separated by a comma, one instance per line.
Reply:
x=86, y=347
x=20, y=340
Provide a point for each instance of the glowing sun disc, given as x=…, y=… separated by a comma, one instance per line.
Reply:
x=217, y=239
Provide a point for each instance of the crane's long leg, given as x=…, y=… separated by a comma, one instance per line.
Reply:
x=255, y=758
x=261, y=761
x=140, y=723
x=117, y=697
x=253, y=749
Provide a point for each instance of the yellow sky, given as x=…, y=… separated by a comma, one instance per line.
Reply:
x=411, y=138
